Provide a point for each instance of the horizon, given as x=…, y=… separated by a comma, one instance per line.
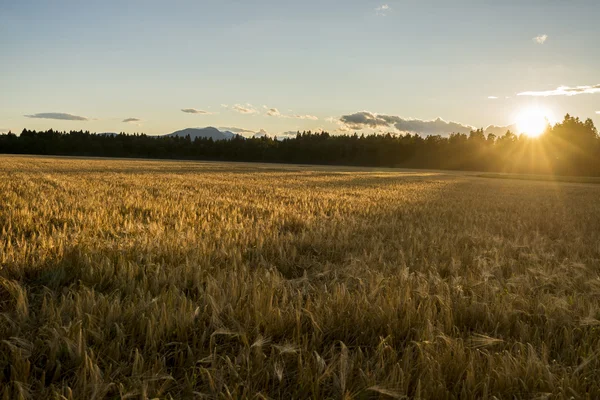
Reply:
x=498, y=131
x=279, y=68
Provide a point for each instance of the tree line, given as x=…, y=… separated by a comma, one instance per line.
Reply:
x=571, y=147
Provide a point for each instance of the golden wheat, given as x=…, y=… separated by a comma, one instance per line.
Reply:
x=141, y=279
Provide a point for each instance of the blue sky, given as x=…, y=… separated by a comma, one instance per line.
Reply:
x=229, y=62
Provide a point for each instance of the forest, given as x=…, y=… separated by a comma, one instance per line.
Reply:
x=570, y=147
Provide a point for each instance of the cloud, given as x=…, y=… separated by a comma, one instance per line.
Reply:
x=272, y=112
x=61, y=116
x=368, y=120
x=236, y=130
x=247, y=109
x=564, y=91
x=288, y=134
x=492, y=97
x=261, y=133
x=131, y=120
x=501, y=130
x=311, y=117
x=194, y=111
x=382, y=10
x=379, y=122
x=540, y=39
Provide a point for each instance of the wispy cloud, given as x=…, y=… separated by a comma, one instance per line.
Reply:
x=272, y=112
x=242, y=109
x=540, y=39
x=60, y=116
x=382, y=10
x=311, y=117
x=368, y=120
x=235, y=130
x=195, y=111
x=131, y=120
x=564, y=91
x=492, y=97
x=597, y=112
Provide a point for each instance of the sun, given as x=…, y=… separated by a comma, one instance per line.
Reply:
x=533, y=121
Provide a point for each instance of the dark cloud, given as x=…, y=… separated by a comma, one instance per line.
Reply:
x=194, y=111
x=368, y=120
x=61, y=116
x=435, y=127
x=365, y=119
x=131, y=120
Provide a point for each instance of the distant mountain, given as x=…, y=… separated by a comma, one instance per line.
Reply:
x=208, y=132
x=108, y=134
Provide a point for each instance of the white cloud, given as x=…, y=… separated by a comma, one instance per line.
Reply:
x=272, y=112
x=492, y=97
x=311, y=117
x=261, y=133
x=195, y=111
x=540, y=39
x=597, y=112
x=288, y=134
x=564, y=91
x=382, y=10
x=235, y=130
x=243, y=109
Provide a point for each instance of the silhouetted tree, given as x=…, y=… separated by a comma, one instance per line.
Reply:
x=571, y=147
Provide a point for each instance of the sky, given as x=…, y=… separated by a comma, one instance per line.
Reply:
x=280, y=66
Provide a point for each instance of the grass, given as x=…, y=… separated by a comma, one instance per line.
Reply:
x=140, y=279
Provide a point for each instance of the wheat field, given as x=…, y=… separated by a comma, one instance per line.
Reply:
x=133, y=279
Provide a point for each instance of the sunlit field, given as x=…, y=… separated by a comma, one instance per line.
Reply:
x=177, y=280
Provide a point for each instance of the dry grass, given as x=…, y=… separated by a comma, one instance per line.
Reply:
x=135, y=279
